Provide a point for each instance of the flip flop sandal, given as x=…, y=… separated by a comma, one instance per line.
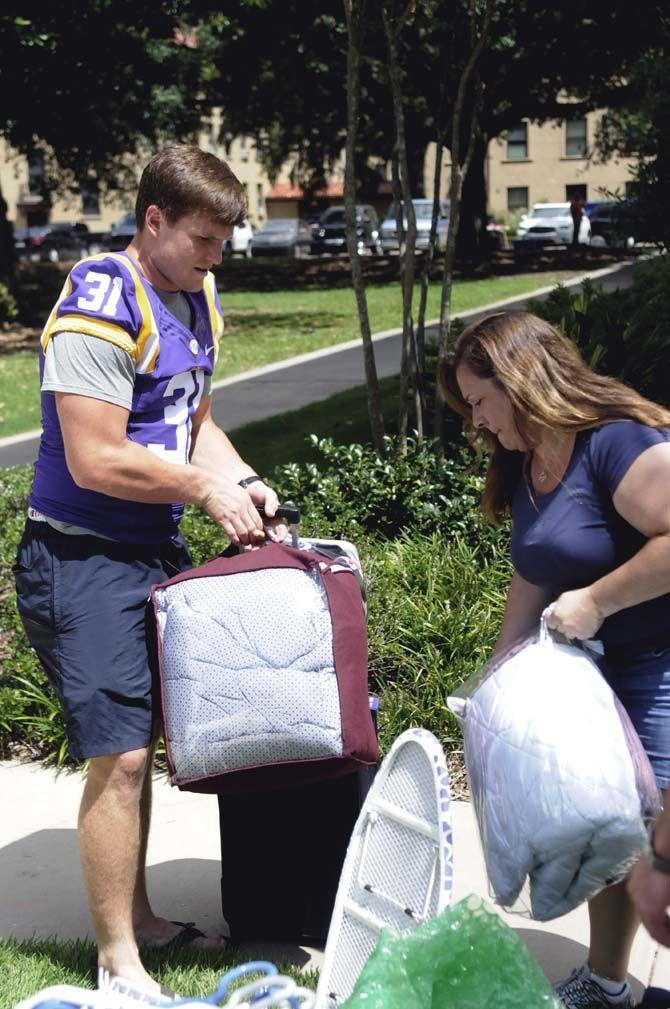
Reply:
x=131, y=989
x=182, y=940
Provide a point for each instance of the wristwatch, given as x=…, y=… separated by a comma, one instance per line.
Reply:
x=658, y=862
x=254, y=478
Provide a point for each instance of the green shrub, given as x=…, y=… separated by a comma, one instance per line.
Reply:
x=435, y=605
x=358, y=493
x=29, y=713
x=8, y=307
x=625, y=333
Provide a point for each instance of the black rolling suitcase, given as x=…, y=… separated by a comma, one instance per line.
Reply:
x=282, y=855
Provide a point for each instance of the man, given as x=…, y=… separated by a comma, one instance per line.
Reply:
x=128, y=437
x=576, y=212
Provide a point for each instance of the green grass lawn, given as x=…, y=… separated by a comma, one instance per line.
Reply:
x=262, y=327
x=27, y=967
x=270, y=326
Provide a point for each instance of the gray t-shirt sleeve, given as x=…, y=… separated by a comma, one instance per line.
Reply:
x=89, y=366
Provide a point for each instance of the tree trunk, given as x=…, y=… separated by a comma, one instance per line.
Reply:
x=428, y=262
x=409, y=378
x=459, y=170
x=7, y=253
x=354, y=13
x=471, y=245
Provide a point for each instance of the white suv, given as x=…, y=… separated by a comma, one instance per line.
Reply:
x=551, y=224
x=240, y=243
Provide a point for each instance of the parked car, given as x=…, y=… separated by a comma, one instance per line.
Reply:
x=612, y=224
x=240, y=243
x=423, y=210
x=551, y=224
x=329, y=236
x=282, y=236
x=60, y=240
x=121, y=234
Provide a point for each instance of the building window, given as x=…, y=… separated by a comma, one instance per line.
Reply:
x=260, y=199
x=517, y=142
x=575, y=138
x=572, y=191
x=90, y=199
x=244, y=149
x=213, y=138
x=517, y=198
x=36, y=173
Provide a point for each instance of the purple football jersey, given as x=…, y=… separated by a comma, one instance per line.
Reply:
x=106, y=296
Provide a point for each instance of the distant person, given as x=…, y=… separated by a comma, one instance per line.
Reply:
x=577, y=213
x=581, y=463
x=127, y=357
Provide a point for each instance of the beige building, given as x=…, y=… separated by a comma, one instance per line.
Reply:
x=550, y=162
x=20, y=184
x=538, y=163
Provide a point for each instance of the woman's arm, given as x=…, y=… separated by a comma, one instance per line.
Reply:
x=523, y=609
x=643, y=500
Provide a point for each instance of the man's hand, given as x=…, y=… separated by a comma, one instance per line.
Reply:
x=575, y=614
x=650, y=892
x=232, y=508
x=265, y=497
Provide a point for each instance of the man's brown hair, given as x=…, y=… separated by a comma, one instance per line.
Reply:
x=183, y=180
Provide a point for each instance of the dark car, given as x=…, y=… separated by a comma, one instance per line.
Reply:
x=60, y=240
x=329, y=236
x=612, y=224
x=120, y=235
x=282, y=236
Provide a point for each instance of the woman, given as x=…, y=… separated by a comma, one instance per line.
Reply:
x=582, y=465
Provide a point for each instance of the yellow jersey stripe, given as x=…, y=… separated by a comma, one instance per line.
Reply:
x=148, y=327
x=215, y=317
x=92, y=327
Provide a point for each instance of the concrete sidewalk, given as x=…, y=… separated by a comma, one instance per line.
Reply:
x=43, y=892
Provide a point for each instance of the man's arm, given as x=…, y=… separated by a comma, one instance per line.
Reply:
x=100, y=457
x=212, y=451
x=650, y=889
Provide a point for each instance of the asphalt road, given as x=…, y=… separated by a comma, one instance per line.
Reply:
x=278, y=389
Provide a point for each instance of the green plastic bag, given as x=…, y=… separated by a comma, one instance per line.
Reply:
x=466, y=958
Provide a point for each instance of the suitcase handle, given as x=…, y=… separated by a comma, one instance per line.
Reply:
x=288, y=511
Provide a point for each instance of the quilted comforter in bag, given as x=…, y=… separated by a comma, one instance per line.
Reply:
x=563, y=791
x=263, y=671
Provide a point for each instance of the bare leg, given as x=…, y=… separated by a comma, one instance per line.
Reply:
x=109, y=843
x=614, y=923
x=150, y=929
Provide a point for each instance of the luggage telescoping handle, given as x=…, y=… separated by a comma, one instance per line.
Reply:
x=291, y=513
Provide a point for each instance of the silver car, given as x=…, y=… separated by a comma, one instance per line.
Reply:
x=423, y=210
x=282, y=236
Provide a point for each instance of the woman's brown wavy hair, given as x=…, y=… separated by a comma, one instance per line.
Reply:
x=549, y=386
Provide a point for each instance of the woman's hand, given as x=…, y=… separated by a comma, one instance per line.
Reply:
x=575, y=614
